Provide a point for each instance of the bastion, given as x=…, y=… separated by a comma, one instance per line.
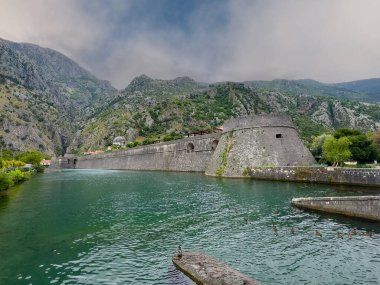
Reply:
x=245, y=142
x=265, y=140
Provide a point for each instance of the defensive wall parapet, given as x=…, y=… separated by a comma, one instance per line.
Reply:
x=258, y=121
x=188, y=154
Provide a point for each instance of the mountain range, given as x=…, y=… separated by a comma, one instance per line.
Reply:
x=48, y=102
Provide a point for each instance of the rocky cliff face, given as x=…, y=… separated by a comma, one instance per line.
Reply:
x=45, y=97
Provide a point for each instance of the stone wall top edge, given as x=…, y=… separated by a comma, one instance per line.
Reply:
x=345, y=198
x=257, y=127
x=264, y=120
x=153, y=146
x=318, y=167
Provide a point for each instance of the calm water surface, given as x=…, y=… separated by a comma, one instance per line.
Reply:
x=121, y=227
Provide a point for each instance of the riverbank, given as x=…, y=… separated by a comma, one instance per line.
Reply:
x=14, y=177
x=11, y=178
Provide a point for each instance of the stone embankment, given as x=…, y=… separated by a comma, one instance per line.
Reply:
x=365, y=207
x=328, y=175
x=204, y=270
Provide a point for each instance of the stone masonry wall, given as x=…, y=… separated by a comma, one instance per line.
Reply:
x=189, y=154
x=258, y=146
x=367, y=207
x=329, y=175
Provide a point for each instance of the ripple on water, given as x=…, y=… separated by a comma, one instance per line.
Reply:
x=123, y=227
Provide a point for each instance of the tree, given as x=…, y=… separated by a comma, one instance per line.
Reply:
x=317, y=144
x=7, y=164
x=32, y=157
x=346, y=133
x=376, y=138
x=336, y=151
x=5, y=154
x=362, y=146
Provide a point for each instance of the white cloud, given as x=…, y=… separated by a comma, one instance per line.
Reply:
x=55, y=24
x=327, y=40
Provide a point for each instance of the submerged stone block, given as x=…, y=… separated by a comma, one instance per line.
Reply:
x=205, y=270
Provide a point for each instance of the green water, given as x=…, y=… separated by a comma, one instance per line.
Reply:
x=120, y=227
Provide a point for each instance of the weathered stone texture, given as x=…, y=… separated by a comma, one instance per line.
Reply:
x=259, y=141
x=367, y=207
x=189, y=154
x=247, y=142
x=207, y=271
x=352, y=176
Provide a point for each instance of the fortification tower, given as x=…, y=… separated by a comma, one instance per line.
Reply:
x=263, y=140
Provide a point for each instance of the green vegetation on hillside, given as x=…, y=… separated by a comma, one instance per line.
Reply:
x=50, y=103
x=156, y=117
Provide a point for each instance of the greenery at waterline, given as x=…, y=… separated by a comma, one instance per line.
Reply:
x=13, y=171
x=345, y=145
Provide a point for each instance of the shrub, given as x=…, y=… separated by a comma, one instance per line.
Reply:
x=133, y=144
x=5, y=181
x=18, y=176
x=32, y=157
x=39, y=168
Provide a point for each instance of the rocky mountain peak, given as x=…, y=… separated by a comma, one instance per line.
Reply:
x=140, y=83
x=183, y=81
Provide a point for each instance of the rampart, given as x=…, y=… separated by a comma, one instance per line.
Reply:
x=328, y=175
x=246, y=142
x=188, y=154
x=257, y=141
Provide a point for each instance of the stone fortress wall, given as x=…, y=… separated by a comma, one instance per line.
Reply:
x=246, y=142
x=188, y=154
x=265, y=140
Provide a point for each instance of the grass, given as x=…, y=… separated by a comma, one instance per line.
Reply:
x=223, y=164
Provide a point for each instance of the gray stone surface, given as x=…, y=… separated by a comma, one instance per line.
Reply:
x=328, y=175
x=255, y=121
x=176, y=155
x=258, y=141
x=251, y=141
x=366, y=207
x=207, y=271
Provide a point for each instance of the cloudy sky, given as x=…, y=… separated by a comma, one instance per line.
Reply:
x=216, y=40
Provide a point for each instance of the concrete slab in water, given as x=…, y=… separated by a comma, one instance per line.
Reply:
x=207, y=271
x=365, y=207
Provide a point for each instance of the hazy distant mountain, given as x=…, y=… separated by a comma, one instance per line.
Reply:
x=369, y=87
x=163, y=88
x=309, y=87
